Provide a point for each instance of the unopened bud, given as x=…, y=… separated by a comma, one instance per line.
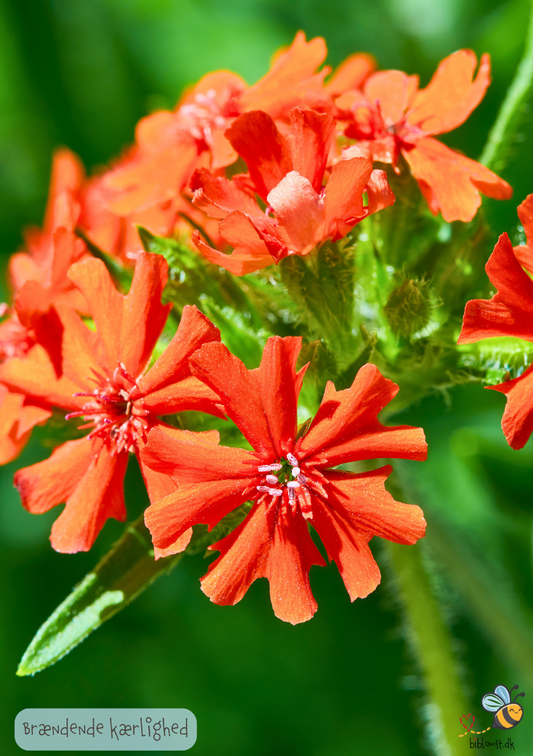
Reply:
x=408, y=308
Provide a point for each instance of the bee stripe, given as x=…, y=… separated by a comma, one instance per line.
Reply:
x=505, y=719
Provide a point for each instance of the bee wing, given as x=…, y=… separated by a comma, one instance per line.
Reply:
x=503, y=693
x=492, y=702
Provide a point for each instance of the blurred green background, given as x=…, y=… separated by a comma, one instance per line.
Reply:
x=80, y=73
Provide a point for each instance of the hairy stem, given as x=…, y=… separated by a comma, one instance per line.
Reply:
x=432, y=644
x=498, y=148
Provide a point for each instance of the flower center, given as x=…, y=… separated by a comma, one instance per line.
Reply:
x=286, y=475
x=200, y=117
x=112, y=414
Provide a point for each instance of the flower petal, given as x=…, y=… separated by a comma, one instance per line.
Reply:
x=144, y=315
x=524, y=254
x=187, y=394
x=291, y=80
x=517, y=420
x=299, y=210
x=380, y=194
x=104, y=302
x=261, y=402
x=311, y=137
x=51, y=482
x=179, y=545
x=371, y=509
x=251, y=251
x=195, y=457
x=344, y=195
x=217, y=196
x=346, y=429
x=452, y=182
x=17, y=418
x=266, y=545
x=393, y=91
x=451, y=95
x=263, y=148
x=173, y=365
x=359, y=507
x=207, y=502
x=348, y=548
x=98, y=496
x=66, y=177
x=510, y=311
x=35, y=377
x=151, y=179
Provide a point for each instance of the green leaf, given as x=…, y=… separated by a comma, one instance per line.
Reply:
x=119, y=577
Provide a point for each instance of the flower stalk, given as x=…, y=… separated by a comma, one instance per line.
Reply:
x=497, y=151
x=431, y=642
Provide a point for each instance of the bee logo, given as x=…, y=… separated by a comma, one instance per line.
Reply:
x=507, y=713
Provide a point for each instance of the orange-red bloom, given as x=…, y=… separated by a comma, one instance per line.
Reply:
x=103, y=379
x=38, y=279
x=171, y=144
x=287, y=172
x=289, y=480
x=391, y=116
x=508, y=313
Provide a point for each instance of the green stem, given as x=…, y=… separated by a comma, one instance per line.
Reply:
x=493, y=605
x=432, y=645
x=496, y=152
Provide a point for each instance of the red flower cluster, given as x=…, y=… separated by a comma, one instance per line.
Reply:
x=103, y=378
x=307, y=143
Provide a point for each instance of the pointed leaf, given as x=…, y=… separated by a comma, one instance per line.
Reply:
x=117, y=579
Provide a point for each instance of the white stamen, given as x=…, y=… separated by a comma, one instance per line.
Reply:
x=266, y=489
x=272, y=480
x=302, y=479
x=292, y=494
x=293, y=484
x=275, y=491
x=295, y=472
x=292, y=459
x=267, y=468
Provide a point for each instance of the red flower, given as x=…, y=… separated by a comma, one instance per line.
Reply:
x=287, y=173
x=508, y=313
x=50, y=251
x=524, y=253
x=38, y=279
x=289, y=480
x=392, y=117
x=104, y=379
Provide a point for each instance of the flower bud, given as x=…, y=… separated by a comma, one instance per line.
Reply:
x=408, y=307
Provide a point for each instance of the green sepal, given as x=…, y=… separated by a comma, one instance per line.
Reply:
x=253, y=303
x=117, y=579
x=497, y=359
x=365, y=355
x=322, y=287
x=189, y=275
